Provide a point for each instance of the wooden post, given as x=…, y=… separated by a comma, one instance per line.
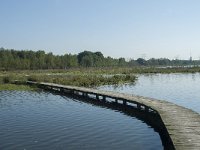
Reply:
x=116, y=100
x=97, y=97
x=138, y=106
x=85, y=94
x=72, y=92
x=124, y=102
x=75, y=92
x=61, y=90
x=146, y=109
x=104, y=98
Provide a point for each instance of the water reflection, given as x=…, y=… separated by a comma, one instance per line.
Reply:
x=152, y=119
x=32, y=120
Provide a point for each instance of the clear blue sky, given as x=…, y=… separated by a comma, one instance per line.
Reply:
x=117, y=28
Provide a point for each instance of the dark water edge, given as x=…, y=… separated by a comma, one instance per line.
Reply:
x=40, y=120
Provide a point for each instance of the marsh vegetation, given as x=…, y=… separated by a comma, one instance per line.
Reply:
x=88, y=69
x=76, y=78
x=87, y=77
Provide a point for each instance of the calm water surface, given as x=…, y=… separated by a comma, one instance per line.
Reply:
x=39, y=120
x=182, y=89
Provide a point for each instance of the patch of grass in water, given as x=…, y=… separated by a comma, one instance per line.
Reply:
x=14, y=87
x=84, y=80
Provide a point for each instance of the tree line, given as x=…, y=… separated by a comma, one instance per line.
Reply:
x=11, y=59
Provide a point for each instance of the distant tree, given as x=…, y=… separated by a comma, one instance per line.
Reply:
x=90, y=59
x=122, y=62
x=87, y=61
x=141, y=61
x=27, y=59
x=132, y=62
x=69, y=61
x=98, y=59
x=40, y=56
x=153, y=62
x=82, y=55
x=164, y=61
x=49, y=61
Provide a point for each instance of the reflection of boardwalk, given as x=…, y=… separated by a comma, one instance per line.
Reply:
x=182, y=124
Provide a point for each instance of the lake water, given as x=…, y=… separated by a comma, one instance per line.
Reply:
x=41, y=120
x=182, y=89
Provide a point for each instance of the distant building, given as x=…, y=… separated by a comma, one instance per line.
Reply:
x=190, y=58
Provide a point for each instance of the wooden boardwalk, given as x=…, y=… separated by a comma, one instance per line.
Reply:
x=182, y=124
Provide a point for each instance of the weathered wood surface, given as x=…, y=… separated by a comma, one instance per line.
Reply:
x=182, y=124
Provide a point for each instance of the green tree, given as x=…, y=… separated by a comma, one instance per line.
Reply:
x=141, y=61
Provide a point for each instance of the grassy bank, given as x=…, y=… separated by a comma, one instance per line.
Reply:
x=84, y=80
x=89, y=77
x=66, y=78
x=106, y=70
x=11, y=87
x=143, y=70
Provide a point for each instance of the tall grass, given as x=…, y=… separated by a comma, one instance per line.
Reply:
x=76, y=79
x=89, y=77
x=84, y=80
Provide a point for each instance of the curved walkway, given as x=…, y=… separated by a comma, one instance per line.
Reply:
x=182, y=124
